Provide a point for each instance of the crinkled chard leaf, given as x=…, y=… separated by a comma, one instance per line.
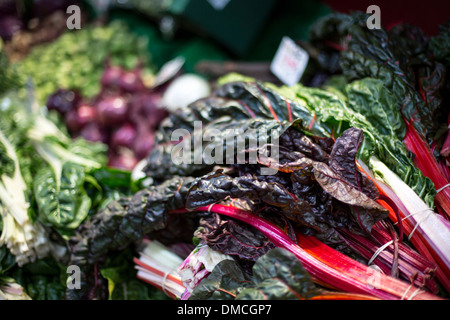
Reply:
x=233, y=108
x=276, y=275
x=343, y=161
x=440, y=44
x=119, y=224
x=339, y=111
x=217, y=187
x=279, y=275
x=233, y=237
x=399, y=57
x=224, y=283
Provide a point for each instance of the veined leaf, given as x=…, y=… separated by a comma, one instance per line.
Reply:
x=62, y=203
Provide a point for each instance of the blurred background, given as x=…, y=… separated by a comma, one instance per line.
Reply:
x=153, y=43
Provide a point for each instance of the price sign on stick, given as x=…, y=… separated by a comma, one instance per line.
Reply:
x=289, y=62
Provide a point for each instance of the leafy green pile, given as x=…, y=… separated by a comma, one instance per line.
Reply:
x=277, y=275
x=321, y=133
x=9, y=77
x=411, y=64
x=77, y=58
x=100, y=216
x=49, y=185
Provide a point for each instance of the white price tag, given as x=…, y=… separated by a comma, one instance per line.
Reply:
x=289, y=62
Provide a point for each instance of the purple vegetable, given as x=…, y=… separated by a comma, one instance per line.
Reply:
x=92, y=132
x=112, y=110
x=72, y=121
x=124, y=136
x=43, y=8
x=8, y=8
x=63, y=101
x=131, y=81
x=86, y=114
x=124, y=160
x=147, y=106
x=111, y=76
x=144, y=143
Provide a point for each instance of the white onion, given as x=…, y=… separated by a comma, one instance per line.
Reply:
x=185, y=90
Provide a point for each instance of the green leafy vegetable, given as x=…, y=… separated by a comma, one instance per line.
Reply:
x=276, y=275
x=76, y=59
x=62, y=203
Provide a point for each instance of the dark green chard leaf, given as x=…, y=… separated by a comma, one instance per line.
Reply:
x=279, y=275
x=233, y=238
x=381, y=133
x=119, y=224
x=276, y=275
x=400, y=57
x=440, y=44
x=43, y=279
x=225, y=282
x=217, y=187
x=343, y=161
x=121, y=276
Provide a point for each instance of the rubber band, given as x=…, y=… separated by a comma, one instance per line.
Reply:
x=412, y=214
x=163, y=286
x=164, y=280
x=419, y=222
x=407, y=289
x=379, y=250
x=415, y=293
x=210, y=207
x=440, y=189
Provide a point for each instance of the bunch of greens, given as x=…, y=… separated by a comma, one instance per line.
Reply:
x=77, y=58
x=49, y=185
x=316, y=188
x=9, y=77
x=413, y=68
x=411, y=65
x=25, y=239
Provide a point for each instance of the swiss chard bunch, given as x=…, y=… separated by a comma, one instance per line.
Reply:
x=44, y=180
x=25, y=238
x=317, y=193
x=413, y=67
x=316, y=187
x=62, y=172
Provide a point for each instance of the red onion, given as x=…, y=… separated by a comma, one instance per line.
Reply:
x=43, y=8
x=9, y=25
x=86, y=114
x=131, y=81
x=147, y=106
x=143, y=143
x=111, y=76
x=72, y=121
x=63, y=101
x=92, y=132
x=112, y=110
x=124, y=136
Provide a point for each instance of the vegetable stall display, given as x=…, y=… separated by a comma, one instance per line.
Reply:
x=355, y=206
